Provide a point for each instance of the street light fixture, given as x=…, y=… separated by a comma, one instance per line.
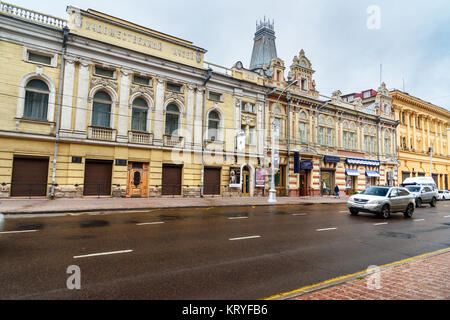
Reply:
x=431, y=151
x=273, y=191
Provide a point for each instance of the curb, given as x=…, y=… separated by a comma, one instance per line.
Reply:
x=344, y=279
x=163, y=208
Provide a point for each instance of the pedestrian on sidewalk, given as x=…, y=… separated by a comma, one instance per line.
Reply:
x=337, y=192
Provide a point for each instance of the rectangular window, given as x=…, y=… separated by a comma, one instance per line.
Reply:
x=213, y=129
x=251, y=136
x=372, y=144
x=104, y=72
x=366, y=143
x=345, y=140
x=173, y=87
x=215, y=96
x=387, y=146
x=39, y=58
x=330, y=137
x=321, y=136
x=139, y=119
x=277, y=127
x=303, y=137
x=141, y=80
x=352, y=141
x=36, y=105
x=367, y=94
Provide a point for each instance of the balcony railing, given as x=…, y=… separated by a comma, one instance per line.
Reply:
x=140, y=137
x=104, y=134
x=173, y=141
x=37, y=17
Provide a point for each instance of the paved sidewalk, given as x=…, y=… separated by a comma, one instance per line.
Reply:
x=421, y=279
x=44, y=206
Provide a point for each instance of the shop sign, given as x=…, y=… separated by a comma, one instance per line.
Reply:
x=235, y=177
x=307, y=165
x=331, y=159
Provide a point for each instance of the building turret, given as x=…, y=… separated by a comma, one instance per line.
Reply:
x=264, y=48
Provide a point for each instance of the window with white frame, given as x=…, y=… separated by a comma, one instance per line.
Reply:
x=36, y=100
x=139, y=115
x=172, y=119
x=213, y=126
x=101, y=110
x=104, y=72
x=303, y=132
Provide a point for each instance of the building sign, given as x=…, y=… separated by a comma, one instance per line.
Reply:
x=331, y=159
x=296, y=162
x=98, y=26
x=235, y=177
x=260, y=178
x=276, y=157
x=307, y=165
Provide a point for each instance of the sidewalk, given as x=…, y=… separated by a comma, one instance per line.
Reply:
x=45, y=206
x=425, y=278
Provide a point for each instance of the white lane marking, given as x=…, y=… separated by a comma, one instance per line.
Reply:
x=149, y=223
x=299, y=214
x=381, y=224
x=245, y=238
x=419, y=220
x=102, y=254
x=12, y=232
x=237, y=218
x=327, y=229
x=447, y=217
x=343, y=211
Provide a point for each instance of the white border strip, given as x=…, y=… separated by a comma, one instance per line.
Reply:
x=13, y=232
x=245, y=238
x=102, y=254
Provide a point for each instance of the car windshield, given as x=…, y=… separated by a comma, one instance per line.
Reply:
x=380, y=192
x=441, y=191
x=413, y=189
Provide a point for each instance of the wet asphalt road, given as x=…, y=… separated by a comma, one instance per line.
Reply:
x=214, y=253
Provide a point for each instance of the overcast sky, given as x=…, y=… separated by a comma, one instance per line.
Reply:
x=412, y=42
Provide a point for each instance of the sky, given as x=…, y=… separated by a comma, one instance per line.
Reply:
x=345, y=40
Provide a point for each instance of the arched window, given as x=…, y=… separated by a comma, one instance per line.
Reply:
x=36, y=100
x=139, y=115
x=213, y=126
x=172, y=119
x=101, y=110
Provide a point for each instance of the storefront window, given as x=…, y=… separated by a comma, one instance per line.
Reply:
x=327, y=182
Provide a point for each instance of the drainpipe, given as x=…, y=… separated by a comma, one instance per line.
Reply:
x=208, y=77
x=66, y=31
x=288, y=142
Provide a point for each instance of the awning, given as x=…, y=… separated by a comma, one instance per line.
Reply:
x=352, y=173
x=363, y=162
x=372, y=174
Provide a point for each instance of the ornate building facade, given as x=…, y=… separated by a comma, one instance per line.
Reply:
x=422, y=126
x=128, y=111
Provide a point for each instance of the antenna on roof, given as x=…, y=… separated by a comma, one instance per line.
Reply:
x=404, y=85
x=381, y=74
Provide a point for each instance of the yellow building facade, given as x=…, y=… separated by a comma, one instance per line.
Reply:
x=128, y=111
x=422, y=126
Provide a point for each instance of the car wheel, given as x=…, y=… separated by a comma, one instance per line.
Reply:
x=354, y=212
x=418, y=203
x=409, y=211
x=433, y=203
x=385, y=212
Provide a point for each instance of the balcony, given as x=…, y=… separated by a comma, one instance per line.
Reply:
x=173, y=141
x=214, y=145
x=104, y=134
x=140, y=137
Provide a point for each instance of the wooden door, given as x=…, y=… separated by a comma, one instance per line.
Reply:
x=97, y=178
x=171, y=180
x=29, y=177
x=246, y=182
x=212, y=181
x=137, y=183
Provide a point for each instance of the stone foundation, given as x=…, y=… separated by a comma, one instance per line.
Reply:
x=119, y=192
x=4, y=191
x=193, y=192
x=154, y=192
x=69, y=192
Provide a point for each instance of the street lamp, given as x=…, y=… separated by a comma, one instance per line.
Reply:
x=431, y=151
x=273, y=191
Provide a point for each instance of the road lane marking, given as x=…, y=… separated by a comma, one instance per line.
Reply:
x=343, y=211
x=299, y=214
x=236, y=218
x=447, y=217
x=419, y=220
x=13, y=232
x=381, y=224
x=327, y=229
x=102, y=254
x=149, y=223
x=245, y=238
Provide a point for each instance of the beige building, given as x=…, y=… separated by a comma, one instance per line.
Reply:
x=422, y=125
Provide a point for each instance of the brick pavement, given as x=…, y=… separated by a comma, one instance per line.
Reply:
x=422, y=279
x=43, y=206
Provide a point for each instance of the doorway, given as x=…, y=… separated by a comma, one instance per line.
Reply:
x=137, y=186
x=246, y=182
x=304, y=183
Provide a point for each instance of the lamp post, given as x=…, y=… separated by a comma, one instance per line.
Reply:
x=273, y=191
x=431, y=151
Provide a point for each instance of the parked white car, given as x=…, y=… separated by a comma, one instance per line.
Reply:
x=444, y=195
